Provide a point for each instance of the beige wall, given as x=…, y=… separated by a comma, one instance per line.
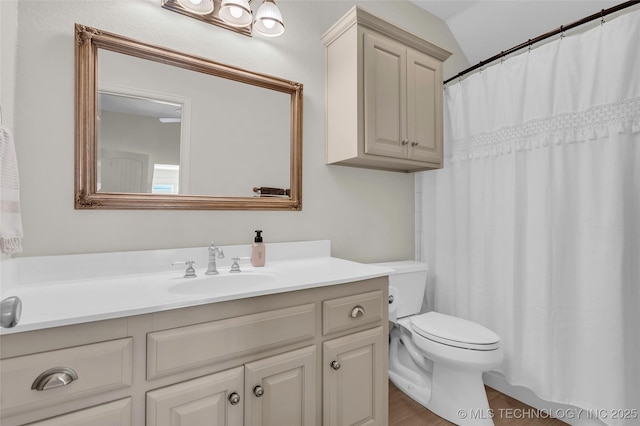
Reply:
x=368, y=215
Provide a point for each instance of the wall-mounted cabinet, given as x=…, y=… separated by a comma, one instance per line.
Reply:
x=383, y=96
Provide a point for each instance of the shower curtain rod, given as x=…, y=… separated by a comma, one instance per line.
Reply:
x=532, y=41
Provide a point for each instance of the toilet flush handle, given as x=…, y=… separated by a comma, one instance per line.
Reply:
x=357, y=311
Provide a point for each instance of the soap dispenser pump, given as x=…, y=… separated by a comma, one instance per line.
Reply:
x=258, y=250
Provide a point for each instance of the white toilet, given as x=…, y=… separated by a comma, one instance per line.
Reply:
x=437, y=359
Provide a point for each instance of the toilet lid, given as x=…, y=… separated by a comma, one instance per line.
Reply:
x=454, y=331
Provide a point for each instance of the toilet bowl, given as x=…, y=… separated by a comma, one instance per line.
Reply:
x=437, y=359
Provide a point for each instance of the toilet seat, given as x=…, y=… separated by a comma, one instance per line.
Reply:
x=456, y=332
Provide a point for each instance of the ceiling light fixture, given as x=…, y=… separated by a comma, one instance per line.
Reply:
x=235, y=15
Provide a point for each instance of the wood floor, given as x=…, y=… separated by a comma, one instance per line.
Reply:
x=404, y=411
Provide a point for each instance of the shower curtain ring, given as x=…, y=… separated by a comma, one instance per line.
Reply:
x=602, y=17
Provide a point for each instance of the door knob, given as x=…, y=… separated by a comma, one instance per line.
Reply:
x=234, y=398
x=335, y=365
x=258, y=391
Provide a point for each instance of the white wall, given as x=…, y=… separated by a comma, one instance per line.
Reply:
x=368, y=215
x=505, y=24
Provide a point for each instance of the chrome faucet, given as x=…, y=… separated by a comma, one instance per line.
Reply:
x=213, y=252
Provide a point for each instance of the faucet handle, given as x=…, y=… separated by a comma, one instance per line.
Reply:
x=235, y=267
x=213, y=249
x=189, y=272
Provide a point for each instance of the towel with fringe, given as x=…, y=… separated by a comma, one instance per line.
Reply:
x=10, y=220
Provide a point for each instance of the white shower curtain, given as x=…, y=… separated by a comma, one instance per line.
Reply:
x=533, y=227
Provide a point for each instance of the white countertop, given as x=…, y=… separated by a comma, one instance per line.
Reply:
x=77, y=300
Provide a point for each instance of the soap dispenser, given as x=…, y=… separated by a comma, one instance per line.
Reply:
x=258, y=250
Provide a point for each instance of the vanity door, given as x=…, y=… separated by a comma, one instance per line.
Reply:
x=213, y=400
x=281, y=390
x=354, y=390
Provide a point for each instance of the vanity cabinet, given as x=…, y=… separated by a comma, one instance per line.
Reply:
x=352, y=386
x=110, y=414
x=281, y=390
x=259, y=361
x=383, y=96
x=274, y=391
x=214, y=400
x=353, y=390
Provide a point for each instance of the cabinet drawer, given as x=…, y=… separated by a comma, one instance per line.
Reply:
x=110, y=414
x=183, y=348
x=99, y=367
x=351, y=311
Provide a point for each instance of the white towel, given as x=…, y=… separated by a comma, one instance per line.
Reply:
x=10, y=220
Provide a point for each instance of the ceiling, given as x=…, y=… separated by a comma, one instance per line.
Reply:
x=484, y=28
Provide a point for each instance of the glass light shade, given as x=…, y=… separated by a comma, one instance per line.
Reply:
x=199, y=7
x=236, y=13
x=269, y=20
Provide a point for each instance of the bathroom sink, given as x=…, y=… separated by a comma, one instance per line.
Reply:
x=223, y=282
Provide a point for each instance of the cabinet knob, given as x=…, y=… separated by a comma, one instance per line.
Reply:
x=335, y=365
x=391, y=298
x=234, y=398
x=405, y=141
x=414, y=143
x=357, y=311
x=258, y=391
x=54, y=378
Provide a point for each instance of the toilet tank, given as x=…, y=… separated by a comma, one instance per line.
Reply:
x=407, y=284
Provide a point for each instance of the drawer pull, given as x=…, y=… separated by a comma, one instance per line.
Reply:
x=357, y=311
x=258, y=391
x=54, y=378
x=335, y=365
x=234, y=398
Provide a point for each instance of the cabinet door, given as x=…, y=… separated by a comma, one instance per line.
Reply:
x=354, y=385
x=281, y=390
x=214, y=400
x=424, y=111
x=385, y=104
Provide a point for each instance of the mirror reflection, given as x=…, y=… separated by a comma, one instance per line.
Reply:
x=161, y=129
x=138, y=145
x=236, y=136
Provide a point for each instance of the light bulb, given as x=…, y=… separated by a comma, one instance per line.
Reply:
x=235, y=11
x=268, y=23
x=195, y=2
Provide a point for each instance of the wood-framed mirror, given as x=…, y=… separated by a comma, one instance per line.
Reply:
x=159, y=129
